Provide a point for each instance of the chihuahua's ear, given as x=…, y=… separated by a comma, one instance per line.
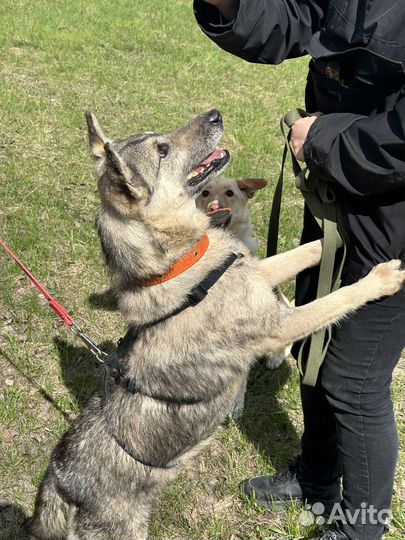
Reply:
x=97, y=139
x=249, y=186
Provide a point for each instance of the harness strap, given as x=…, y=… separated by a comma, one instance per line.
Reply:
x=320, y=200
x=199, y=292
x=134, y=455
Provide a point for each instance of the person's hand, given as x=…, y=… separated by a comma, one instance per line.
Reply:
x=228, y=8
x=299, y=134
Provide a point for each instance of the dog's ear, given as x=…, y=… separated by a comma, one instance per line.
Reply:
x=97, y=139
x=249, y=186
x=107, y=159
x=120, y=174
x=115, y=164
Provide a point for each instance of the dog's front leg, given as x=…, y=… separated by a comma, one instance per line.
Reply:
x=285, y=266
x=384, y=280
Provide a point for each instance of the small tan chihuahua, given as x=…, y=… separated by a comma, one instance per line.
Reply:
x=225, y=193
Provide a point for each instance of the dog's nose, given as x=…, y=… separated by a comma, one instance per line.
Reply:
x=214, y=116
x=214, y=205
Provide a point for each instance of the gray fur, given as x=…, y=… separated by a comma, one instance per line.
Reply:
x=93, y=489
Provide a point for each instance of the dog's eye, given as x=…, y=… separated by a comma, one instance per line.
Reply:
x=163, y=150
x=205, y=193
x=229, y=193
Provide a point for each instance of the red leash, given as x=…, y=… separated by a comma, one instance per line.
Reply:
x=53, y=304
x=58, y=309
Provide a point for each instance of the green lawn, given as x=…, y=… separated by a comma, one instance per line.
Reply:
x=137, y=65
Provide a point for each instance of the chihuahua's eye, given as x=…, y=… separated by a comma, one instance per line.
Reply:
x=229, y=193
x=163, y=150
x=205, y=193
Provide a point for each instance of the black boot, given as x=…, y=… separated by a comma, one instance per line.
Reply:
x=288, y=488
x=334, y=533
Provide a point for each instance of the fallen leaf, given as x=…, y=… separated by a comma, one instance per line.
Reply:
x=8, y=435
x=38, y=437
x=42, y=300
x=44, y=410
x=194, y=516
x=8, y=329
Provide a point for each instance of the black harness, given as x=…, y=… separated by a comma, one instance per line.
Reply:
x=113, y=361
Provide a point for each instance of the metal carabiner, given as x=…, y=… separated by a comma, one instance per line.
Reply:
x=90, y=344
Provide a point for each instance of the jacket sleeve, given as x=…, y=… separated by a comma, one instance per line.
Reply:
x=364, y=154
x=263, y=31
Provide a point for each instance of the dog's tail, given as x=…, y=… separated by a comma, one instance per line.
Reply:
x=50, y=519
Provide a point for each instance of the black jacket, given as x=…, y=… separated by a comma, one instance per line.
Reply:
x=359, y=144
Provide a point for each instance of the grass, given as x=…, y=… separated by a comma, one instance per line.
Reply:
x=138, y=65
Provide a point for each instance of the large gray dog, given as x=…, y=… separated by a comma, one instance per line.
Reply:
x=181, y=365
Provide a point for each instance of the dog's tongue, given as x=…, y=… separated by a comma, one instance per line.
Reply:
x=216, y=154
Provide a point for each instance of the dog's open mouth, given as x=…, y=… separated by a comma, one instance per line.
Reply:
x=215, y=162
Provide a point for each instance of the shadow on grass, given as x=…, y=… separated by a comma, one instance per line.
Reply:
x=265, y=420
x=80, y=371
x=34, y=384
x=12, y=519
x=105, y=300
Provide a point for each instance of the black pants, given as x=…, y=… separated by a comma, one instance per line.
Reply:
x=350, y=429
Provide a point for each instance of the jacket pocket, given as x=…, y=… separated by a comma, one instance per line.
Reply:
x=330, y=95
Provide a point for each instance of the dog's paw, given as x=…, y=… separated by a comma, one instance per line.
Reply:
x=237, y=411
x=238, y=406
x=274, y=361
x=387, y=278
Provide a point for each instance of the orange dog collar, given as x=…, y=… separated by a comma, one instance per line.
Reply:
x=186, y=262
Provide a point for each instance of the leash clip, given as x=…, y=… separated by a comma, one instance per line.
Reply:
x=90, y=344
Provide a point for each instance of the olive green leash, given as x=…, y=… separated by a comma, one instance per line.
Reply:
x=320, y=200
